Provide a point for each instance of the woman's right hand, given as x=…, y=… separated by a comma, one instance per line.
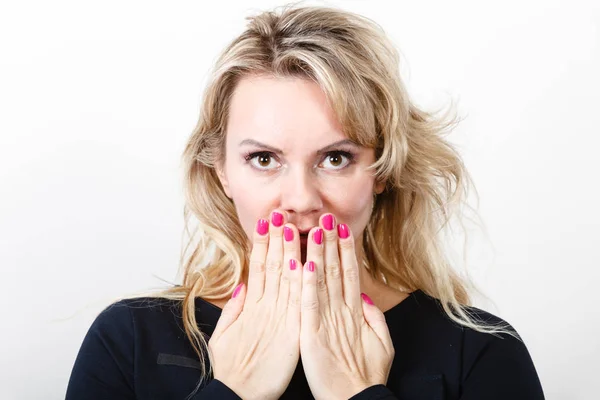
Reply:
x=255, y=347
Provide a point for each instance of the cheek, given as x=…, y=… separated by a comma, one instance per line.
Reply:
x=251, y=202
x=353, y=204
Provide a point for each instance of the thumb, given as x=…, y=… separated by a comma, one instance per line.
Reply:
x=232, y=310
x=376, y=320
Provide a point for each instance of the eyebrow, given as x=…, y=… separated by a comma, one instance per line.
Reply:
x=275, y=150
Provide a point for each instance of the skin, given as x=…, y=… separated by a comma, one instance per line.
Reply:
x=286, y=153
x=292, y=115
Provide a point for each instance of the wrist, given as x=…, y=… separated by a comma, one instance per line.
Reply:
x=244, y=390
x=356, y=389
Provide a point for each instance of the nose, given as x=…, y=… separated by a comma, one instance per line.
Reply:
x=300, y=192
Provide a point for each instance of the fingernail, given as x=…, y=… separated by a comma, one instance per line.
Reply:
x=288, y=234
x=311, y=266
x=343, y=231
x=318, y=236
x=237, y=290
x=366, y=299
x=328, y=222
x=292, y=264
x=277, y=219
x=262, y=226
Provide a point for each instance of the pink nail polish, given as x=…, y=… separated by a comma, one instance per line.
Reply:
x=292, y=264
x=288, y=234
x=318, y=236
x=328, y=222
x=262, y=226
x=237, y=290
x=343, y=231
x=311, y=266
x=366, y=299
x=277, y=219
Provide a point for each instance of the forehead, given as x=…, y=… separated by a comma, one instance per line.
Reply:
x=282, y=112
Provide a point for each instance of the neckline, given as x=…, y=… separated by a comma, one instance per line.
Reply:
x=407, y=302
x=403, y=304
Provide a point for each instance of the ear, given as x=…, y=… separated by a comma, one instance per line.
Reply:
x=220, y=170
x=379, y=187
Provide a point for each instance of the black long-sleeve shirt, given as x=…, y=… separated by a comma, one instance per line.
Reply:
x=137, y=349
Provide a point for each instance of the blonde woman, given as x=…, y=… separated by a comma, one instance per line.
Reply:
x=318, y=273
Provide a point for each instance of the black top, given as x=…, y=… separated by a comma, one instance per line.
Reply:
x=137, y=349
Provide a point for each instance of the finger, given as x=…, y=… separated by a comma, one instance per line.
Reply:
x=256, y=269
x=332, y=268
x=274, y=261
x=376, y=320
x=350, y=272
x=233, y=308
x=314, y=252
x=291, y=283
x=291, y=243
x=309, y=320
x=294, y=268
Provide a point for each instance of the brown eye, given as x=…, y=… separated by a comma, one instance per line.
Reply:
x=264, y=160
x=336, y=160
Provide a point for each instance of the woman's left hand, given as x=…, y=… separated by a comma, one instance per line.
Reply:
x=345, y=343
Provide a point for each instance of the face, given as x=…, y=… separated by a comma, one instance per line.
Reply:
x=285, y=150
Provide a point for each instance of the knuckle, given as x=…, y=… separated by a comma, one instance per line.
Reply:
x=346, y=245
x=330, y=236
x=310, y=305
x=357, y=312
x=257, y=266
x=333, y=270
x=318, y=250
x=273, y=265
x=351, y=275
x=289, y=246
x=294, y=302
x=321, y=284
x=276, y=233
x=260, y=239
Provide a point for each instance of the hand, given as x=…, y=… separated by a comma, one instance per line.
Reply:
x=345, y=343
x=255, y=346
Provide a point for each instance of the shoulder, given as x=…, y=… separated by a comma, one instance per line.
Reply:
x=489, y=334
x=126, y=307
x=134, y=313
x=432, y=309
x=486, y=361
x=127, y=323
x=491, y=359
x=105, y=364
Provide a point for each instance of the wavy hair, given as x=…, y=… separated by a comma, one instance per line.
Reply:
x=356, y=65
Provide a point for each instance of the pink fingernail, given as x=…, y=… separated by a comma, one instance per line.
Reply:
x=328, y=222
x=277, y=219
x=288, y=234
x=343, y=231
x=318, y=236
x=237, y=290
x=262, y=226
x=366, y=299
x=292, y=264
x=311, y=266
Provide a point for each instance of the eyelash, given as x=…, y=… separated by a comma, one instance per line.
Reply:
x=349, y=156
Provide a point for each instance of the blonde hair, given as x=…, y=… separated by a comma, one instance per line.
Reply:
x=357, y=67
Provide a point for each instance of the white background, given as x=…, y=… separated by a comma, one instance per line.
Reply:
x=97, y=100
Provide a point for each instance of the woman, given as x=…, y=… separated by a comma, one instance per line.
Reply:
x=319, y=189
